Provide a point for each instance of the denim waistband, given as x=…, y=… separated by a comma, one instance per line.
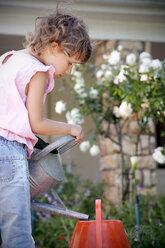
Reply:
x=10, y=142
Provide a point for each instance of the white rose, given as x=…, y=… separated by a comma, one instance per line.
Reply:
x=108, y=74
x=94, y=150
x=143, y=68
x=131, y=59
x=120, y=48
x=123, y=67
x=83, y=95
x=103, y=66
x=69, y=118
x=156, y=64
x=125, y=109
x=79, y=88
x=144, y=55
x=116, y=80
x=116, y=111
x=84, y=146
x=106, y=57
x=144, y=78
x=80, y=81
x=93, y=93
x=147, y=62
x=120, y=77
x=99, y=74
x=114, y=58
x=158, y=156
x=77, y=74
x=74, y=117
x=60, y=107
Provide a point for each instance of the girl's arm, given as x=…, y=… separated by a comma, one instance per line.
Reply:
x=34, y=105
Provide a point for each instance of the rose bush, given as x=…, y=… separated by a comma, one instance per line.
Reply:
x=116, y=92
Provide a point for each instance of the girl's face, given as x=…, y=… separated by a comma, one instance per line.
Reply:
x=60, y=61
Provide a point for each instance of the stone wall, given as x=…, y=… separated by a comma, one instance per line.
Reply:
x=136, y=47
x=110, y=151
x=111, y=164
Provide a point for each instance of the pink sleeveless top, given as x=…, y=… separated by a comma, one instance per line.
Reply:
x=15, y=74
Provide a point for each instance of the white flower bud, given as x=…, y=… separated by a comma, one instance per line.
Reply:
x=134, y=161
x=106, y=57
x=60, y=107
x=103, y=66
x=99, y=74
x=94, y=150
x=93, y=93
x=120, y=48
x=84, y=146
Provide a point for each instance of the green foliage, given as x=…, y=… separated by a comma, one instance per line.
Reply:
x=152, y=213
x=79, y=195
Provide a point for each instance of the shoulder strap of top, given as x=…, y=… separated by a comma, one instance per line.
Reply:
x=5, y=57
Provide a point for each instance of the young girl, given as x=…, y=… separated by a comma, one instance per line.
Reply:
x=59, y=42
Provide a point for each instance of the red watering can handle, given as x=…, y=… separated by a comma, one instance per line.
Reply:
x=99, y=219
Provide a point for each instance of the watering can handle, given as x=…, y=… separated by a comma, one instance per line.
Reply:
x=62, y=144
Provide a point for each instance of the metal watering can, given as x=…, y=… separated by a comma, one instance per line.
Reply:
x=45, y=171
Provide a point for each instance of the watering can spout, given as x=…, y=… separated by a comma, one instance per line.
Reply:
x=51, y=209
x=45, y=171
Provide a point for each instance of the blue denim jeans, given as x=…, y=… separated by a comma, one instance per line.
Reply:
x=15, y=216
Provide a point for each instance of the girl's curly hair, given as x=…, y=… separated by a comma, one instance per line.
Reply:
x=68, y=31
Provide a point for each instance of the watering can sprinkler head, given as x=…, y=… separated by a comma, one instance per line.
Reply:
x=45, y=171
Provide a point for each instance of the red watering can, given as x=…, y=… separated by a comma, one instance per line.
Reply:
x=99, y=233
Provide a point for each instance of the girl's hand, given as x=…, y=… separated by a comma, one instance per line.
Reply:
x=76, y=130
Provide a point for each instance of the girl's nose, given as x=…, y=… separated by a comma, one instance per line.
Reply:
x=68, y=71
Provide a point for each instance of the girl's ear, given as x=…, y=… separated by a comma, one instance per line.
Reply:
x=54, y=44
